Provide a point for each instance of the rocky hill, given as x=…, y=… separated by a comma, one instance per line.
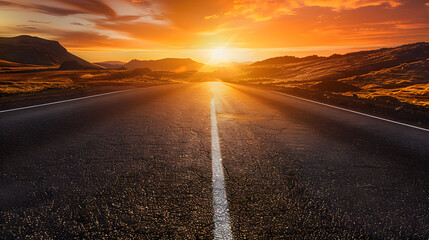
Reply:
x=401, y=72
x=37, y=51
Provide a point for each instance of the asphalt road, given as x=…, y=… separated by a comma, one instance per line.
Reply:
x=138, y=164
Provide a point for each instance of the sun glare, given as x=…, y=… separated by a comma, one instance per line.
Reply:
x=219, y=55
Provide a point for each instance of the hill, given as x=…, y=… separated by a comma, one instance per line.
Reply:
x=37, y=51
x=400, y=72
x=286, y=60
x=167, y=64
x=338, y=66
x=74, y=65
x=111, y=64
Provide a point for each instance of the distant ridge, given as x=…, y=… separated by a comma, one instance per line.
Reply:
x=166, y=64
x=111, y=64
x=286, y=60
x=26, y=49
x=405, y=53
x=338, y=66
x=74, y=65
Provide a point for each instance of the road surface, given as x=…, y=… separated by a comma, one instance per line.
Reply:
x=145, y=164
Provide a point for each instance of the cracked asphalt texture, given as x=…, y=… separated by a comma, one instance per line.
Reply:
x=137, y=165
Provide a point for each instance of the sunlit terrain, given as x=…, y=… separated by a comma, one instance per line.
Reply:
x=214, y=119
x=400, y=73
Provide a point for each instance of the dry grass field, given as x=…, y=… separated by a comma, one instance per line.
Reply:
x=39, y=81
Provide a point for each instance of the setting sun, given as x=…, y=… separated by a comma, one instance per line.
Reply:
x=219, y=55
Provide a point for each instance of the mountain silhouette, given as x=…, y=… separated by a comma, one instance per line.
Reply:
x=37, y=51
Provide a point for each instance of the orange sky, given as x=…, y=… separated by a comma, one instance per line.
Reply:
x=246, y=30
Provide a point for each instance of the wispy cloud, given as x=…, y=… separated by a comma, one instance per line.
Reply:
x=41, y=22
x=55, y=11
x=96, y=7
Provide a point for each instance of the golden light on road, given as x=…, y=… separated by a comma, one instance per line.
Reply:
x=216, y=88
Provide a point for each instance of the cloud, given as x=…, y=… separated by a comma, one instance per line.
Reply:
x=68, y=7
x=373, y=23
x=56, y=11
x=27, y=27
x=252, y=8
x=187, y=15
x=41, y=22
x=351, y=4
x=96, y=7
x=125, y=18
x=9, y=4
x=209, y=15
x=259, y=10
x=77, y=24
x=157, y=33
x=87, y=39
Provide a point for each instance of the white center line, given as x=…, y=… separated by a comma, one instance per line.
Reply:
x=222, y=224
